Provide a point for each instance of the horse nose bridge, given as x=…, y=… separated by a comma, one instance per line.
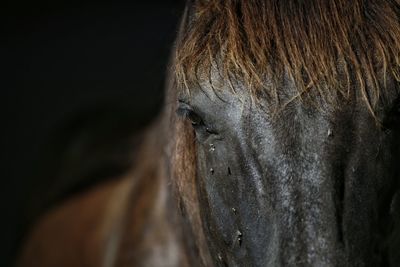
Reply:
x=306, y=197
x=310, y=240
x=310, y=216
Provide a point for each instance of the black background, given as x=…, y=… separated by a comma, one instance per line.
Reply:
x=95, y=68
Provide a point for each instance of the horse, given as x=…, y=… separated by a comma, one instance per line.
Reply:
x=278, y=145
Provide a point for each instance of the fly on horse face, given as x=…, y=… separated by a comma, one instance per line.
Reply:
x=279, y=145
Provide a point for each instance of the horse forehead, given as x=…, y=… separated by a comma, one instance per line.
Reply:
x=216, y=87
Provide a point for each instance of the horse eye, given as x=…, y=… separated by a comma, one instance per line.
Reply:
x=196, y=120
x=188, y=113
x=392, y=120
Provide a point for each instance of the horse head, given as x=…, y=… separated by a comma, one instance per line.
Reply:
x=287, y=132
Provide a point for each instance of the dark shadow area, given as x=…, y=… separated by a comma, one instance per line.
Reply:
x=81, y=81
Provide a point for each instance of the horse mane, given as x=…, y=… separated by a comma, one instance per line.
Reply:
x=330, y=46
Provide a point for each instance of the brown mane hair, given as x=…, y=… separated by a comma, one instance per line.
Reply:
x=330, y=46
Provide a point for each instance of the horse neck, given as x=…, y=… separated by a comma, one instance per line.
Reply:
x=146, y=228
